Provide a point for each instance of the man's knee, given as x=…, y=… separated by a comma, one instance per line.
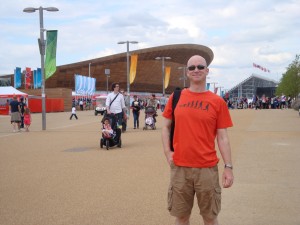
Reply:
x=209, y=221
x=183, y=220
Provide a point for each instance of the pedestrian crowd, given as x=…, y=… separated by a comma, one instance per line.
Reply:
x=262, y=102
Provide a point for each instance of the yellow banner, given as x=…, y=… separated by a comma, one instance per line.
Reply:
x=167, y=76
x=133, y=64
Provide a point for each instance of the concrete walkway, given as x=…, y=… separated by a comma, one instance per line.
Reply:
x=61, y=176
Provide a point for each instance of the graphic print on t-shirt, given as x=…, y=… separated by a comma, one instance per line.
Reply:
x=201, y=105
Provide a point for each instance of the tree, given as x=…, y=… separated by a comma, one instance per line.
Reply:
x=290, y=81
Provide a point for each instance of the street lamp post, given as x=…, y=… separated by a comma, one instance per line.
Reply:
x=183, y=68
x=220, y=90
x=90, y=69
x=42, y=53
x=214, y=83
x=128, y=80
x=162, y=58
x=107, y=73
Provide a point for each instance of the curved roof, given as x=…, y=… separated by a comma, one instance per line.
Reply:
x=148, y=74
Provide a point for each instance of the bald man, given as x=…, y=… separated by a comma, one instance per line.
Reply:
x=201, y=117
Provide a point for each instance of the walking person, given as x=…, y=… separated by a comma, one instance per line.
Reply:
x=163, y=102
x=22, y=105
x=27, y=119
x=127, y=105
x=152, y=101
x=15, y=116
x=73, y=113
x=136, y=107
x=115, y=104
x=193, y=163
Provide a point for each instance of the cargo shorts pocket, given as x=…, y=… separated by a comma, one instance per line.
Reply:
x=170, y=197
x=216, y=208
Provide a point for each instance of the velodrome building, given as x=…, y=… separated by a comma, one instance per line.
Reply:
x=149, y=73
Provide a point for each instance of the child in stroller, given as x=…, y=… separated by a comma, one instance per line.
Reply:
x=150, y=114
x=107, y=131
x=111, y=134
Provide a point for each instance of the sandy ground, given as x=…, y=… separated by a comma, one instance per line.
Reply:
x=61, y=176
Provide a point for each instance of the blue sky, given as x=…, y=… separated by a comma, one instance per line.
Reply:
x=265, y=32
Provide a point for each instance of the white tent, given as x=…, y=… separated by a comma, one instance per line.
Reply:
x=9, y=92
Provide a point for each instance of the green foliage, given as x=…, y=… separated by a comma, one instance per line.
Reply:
x=290, y=81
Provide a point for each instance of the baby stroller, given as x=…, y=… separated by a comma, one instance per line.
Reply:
x=150, y=114
x=115, y=139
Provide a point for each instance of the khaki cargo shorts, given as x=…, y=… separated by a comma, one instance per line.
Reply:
x=186, y=182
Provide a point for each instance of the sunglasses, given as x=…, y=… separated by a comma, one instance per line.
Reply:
x=199, y=67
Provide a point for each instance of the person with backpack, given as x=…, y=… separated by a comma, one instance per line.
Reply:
x=204, y=116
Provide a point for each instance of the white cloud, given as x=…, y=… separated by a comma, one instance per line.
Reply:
x=239, y=32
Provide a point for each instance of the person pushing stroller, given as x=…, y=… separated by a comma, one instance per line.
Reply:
x=111, y=133
x=151, y=113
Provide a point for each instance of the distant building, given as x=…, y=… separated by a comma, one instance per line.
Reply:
x=253, y=85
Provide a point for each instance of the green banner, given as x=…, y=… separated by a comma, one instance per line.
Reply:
x=50, y=61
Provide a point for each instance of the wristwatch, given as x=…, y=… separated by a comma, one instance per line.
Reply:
x=228, y=166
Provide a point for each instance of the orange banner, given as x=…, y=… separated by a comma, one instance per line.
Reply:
x=133, y=65
x=167, y=75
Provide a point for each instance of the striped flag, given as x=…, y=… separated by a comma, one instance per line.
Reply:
x=85, y=85
x=260, y=67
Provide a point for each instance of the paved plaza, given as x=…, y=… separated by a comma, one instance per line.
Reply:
x=61, y=176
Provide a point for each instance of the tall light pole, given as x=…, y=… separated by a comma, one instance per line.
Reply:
x=107, y=73
x=90, y=69
x=128, y=79
x=183, y=68
x=42, y=44
x=220, y=87
x=162, y=58
x=214, y=83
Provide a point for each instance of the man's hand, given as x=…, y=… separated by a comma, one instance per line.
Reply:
x=169, y=156
x=227, y=178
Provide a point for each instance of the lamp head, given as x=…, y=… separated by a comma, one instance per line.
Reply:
x=29, y=9
x=51, y=9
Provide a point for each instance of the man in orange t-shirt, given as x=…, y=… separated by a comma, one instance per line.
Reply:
x=201, y=116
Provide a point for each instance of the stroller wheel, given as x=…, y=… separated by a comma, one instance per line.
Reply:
x=154, y=127
x=107, y=144
x=101, y=143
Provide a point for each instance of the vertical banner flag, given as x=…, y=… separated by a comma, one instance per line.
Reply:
x=216, y=90
x=17, y=77
x=85, y=85
x=27, y=77
x=50, y=62
x=167, y=75
x=207, y=86
x=39, y=78
x=34, y=79
x=133, y=65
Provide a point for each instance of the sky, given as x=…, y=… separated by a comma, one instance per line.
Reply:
x=240, y=32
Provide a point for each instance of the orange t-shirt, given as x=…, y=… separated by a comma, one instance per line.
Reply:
x=197, y=118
